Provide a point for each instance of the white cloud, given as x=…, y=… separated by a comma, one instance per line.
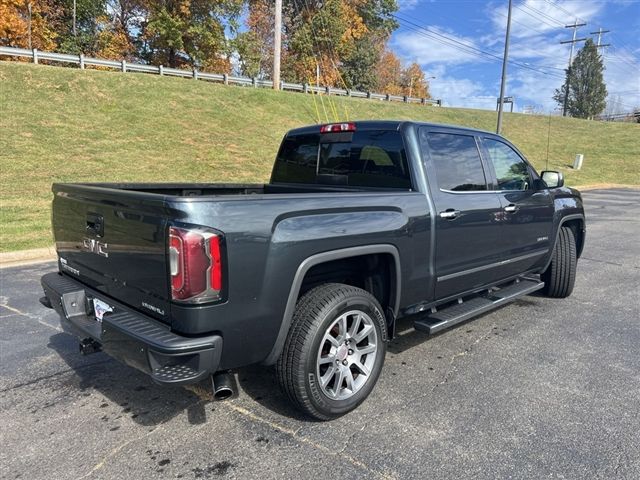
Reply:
x=461, y=92
x=425, y=49
x=532, y=88
x=405, y=5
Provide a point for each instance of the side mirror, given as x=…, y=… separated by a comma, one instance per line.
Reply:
x=552, y=179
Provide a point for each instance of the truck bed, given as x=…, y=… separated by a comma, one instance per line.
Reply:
x=219, y=189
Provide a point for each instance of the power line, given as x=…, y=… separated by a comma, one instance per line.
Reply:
x=562, y=9
x=479, y=53
x=620, y=58
x=535, y=17
x=463, y=46
x=541, y=14
x=529, y=27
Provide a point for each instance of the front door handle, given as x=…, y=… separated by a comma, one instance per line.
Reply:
x=510, y=208
x=449, y=214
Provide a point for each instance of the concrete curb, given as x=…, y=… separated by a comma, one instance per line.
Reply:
x=27, y=257
x=601, y=186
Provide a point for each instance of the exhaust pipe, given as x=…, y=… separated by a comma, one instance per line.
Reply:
x=222, y=383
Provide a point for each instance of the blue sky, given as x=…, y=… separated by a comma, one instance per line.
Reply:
x=468, y=78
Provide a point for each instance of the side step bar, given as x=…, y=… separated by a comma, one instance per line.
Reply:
x=464, y=310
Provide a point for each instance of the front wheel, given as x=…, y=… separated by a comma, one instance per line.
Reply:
x=334, y=352
x=560, y=276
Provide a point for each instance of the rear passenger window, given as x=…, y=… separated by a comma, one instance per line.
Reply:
x=457, y=162
x=365, y=158
x=297, y=159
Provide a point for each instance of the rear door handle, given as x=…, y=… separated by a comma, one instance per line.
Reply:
x=510, y=208
x=449, y=214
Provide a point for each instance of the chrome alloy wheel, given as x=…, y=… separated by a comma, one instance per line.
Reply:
x=346, y=355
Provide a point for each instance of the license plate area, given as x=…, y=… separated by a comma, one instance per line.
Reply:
x=101, y=308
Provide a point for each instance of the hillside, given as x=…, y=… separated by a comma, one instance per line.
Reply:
x=66, y=125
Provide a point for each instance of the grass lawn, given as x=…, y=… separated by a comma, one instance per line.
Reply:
x=65, y=125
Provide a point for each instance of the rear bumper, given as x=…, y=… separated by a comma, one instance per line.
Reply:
x=131, y=337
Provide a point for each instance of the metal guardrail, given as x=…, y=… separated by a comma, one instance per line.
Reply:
x=36, y=56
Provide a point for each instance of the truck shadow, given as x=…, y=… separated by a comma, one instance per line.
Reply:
x=261, y=384
x=125, y=391
x=406, y=337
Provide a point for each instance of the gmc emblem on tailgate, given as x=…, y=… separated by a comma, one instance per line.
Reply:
x=95, y=246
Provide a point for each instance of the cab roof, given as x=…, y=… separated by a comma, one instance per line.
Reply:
x=387, y=125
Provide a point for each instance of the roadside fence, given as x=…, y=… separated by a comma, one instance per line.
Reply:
x=36, y=56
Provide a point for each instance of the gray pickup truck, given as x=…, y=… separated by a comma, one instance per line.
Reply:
x=361, y=224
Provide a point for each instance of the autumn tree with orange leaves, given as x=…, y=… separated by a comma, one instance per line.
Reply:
x=340, y=38
x=14, y=24
x=395, y=79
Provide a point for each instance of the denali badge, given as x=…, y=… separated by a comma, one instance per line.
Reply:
x=63, y=264
x=153, y=308
x=95, y=246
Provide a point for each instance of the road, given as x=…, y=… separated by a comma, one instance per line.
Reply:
x=541, y=388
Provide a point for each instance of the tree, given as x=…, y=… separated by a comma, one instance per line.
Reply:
x=341, y=37
x=394, y=79
x=414, y=83
x=584, y=80
x=14, y=24
x=85, y=38
x=359, y=67
x=189, y=32
x=255, y=46
x=118, y=29
x=389, y=73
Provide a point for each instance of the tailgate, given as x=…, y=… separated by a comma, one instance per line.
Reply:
x=114, y=241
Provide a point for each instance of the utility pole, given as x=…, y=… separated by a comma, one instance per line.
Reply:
x=277, y=45
x=504, y=71
x=74, y=18
x=599, y=33
x=29, y=8
x=573, y=41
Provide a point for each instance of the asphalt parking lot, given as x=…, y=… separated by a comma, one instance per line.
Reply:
x=538, y=389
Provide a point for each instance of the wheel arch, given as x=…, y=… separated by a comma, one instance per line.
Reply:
x=577, y=224
x=326, y=258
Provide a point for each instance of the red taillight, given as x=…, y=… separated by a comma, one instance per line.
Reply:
x=338, y=127
x=195, y=264
x=215, y=273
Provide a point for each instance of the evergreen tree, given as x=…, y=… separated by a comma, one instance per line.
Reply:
x=587, y=91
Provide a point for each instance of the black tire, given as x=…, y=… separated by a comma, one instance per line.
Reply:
x=297, y=366
x=560, y=276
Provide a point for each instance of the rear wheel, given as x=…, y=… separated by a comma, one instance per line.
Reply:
x=334, y=352
x=560, y=276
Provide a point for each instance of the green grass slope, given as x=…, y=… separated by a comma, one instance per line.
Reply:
x=65, y=125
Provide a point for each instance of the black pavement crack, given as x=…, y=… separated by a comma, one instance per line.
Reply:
x=608, y=263
x=443, y=379
x=46, y=377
